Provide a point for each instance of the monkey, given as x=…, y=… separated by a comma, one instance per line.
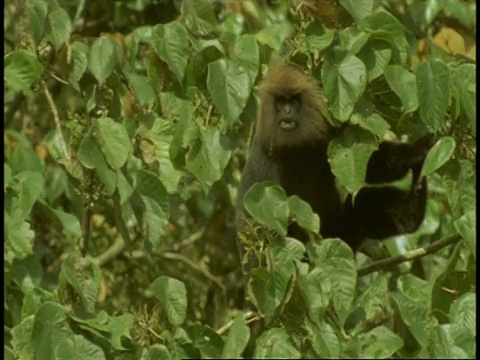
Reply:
x=289, y=147
x=381, y=212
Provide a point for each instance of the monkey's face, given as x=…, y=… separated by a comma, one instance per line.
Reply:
x=291, y=120
x=287, y=112
x=290, y=113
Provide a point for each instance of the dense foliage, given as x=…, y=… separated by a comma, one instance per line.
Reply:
x=126, y=129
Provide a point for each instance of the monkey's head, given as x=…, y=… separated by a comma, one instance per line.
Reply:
x=290, y=112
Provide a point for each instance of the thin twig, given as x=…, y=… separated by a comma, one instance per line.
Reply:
x=409, y=256
x=209, y=113
x=120, y=244
x=56, y=119
x=59, y=79
x=194, y=266
x=197, y=235
x=136, y=254
x=111, y=253
x=250, y=316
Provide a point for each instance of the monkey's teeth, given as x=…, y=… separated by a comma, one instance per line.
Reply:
x=288, y=124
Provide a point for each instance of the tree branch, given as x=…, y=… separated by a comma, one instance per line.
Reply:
x=409, y=256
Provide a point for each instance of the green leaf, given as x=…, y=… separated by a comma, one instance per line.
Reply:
x=149, y=185
x=466, y=183
x=229, y=86
x=380, y=343
x=7, y=176
x=170, y=43
x=403, y=84
x=466, y=225
x=60, y=27
x=121, y=326
x=438, y=155
x=376, y=55
x=268, y=204
x=414, y=301
x=206, y=340
x=275, y=343
x=433, y=84
x=358, y=9
x=79, y=348
x=246, y=55
x=237, y=338
x=155, y=198
x=199, y=16
x=267, y=290
x=113, y=140
x=23, y=156
x=302, y=213
x=91, y=156
x=316, y=288
x=155, y=352
x=324, y=339
x=463, y=312
x=284, y=252
x=22, y=70
x=80, y=55
x=371, y=299
x=349, y=163
x=373, y=123
x=18, y=237
x=384, y=26
x=22, y=341
x=30, y=186
x=155, y=220
x=335, y=258
x=464, y=79
x=172, y=294
x=85, y=277
x=318, y=37
x=50, y=327
x=274, y=35
x=352, y=39
x=181, y=111
x=65, y=221
x=142, y=89
x=449, y=341
x=208, y=155
x=161, y=135
x=102, y=58
x=37, y=15
x=344, y=82
x=89, y=153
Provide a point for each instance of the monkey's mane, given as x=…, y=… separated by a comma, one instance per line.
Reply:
x=287, y=80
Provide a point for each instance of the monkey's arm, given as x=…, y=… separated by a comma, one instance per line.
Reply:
x=380, y=212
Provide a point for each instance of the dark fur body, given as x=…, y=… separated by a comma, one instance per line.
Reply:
x=296, y=159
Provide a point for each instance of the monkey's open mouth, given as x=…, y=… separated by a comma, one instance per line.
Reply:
x=288, y=124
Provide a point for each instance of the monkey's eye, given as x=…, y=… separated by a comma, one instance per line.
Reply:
x=292, y=102
x=295, y=102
